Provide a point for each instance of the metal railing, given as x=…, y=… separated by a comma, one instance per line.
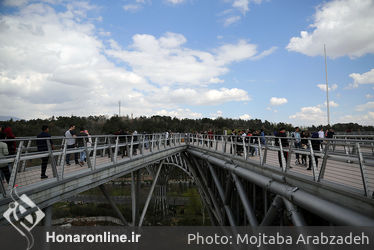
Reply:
x=25, y=164
x=351, y=160
x=344, y=161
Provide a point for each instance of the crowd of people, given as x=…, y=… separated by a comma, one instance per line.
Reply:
x=253, y=137
x=81, y=138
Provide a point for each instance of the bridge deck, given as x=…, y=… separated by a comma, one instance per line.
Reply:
x=343, y=173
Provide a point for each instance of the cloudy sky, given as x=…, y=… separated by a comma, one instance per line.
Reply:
x=188, y=58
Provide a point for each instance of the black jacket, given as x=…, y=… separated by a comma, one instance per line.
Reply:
x=42, y=144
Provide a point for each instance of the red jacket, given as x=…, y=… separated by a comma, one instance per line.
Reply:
x=11, y=144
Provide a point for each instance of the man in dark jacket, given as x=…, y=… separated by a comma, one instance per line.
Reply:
x=316, y=145
x=43, y=146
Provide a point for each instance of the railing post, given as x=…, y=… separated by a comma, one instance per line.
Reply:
x=143, y=144
x=94, y=154
x=324, y=162
x=282, y=156
x=232, y=151
x=223, y=140
x=60, y=156
x=116, y=149
x=259, y=150
x=265, y=153
x=314, y=168
x=362, y=169
x=26, y=151
x=245, y=149
x=63, y=157
x=105, y=140
x=13, y=176
x=131, y=146
x=288, y=164
x=87, y=153
x=110, y=149
x=151, y=148
x=53, y=162
x=127, y=145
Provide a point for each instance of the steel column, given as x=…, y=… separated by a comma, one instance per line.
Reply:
x=246, y=204
x=114, y=206
x=149, y=196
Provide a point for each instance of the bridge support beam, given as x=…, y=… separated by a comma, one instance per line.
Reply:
x=210, y=193
x=114, y=206
x=203, y=191
x=328, y=210
x=149, y=196
x=243, y=197
x=296, y=216
x=48, y=216
x=275, y=206
x=222, y=195
x=135, y=187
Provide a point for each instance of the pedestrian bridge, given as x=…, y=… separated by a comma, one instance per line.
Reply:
x=241, y=181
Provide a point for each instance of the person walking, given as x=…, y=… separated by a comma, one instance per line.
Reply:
x=316, y=145
x=304, y=145
x=42, y=146
x=297, y=137
x=71, y=144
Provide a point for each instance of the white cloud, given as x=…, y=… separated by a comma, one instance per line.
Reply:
x=238, y=9
x=242, y=5
x=331, y=87
x=332, y=104
x=275, y=101
x=366, y=106
x=219, y=113
x=175, y=2
x=310, y=115
x=365, y=78
x=245, y=117
x=231, y=20
x=369, y=96
x=363, y=119
x=177, y=64
x=265, y=53
x=345, y=26
x=75, y=76
x=132, y=7
x=199, y=96
x=14, y=3
x=179, y=113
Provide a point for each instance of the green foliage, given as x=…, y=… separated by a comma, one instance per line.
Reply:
x=105, y=125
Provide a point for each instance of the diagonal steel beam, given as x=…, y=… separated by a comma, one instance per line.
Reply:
x=272, y=213
x=244, y=199
x=149, y=195
x=222, y=195
x=211, y=195
x=114, y=206
x=296, y=217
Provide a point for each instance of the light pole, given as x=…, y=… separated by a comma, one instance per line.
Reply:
x=327, y=90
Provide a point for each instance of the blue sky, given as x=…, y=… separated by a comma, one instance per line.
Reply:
x=188, y=58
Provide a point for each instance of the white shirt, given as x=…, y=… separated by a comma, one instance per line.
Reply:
x=321, y=134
